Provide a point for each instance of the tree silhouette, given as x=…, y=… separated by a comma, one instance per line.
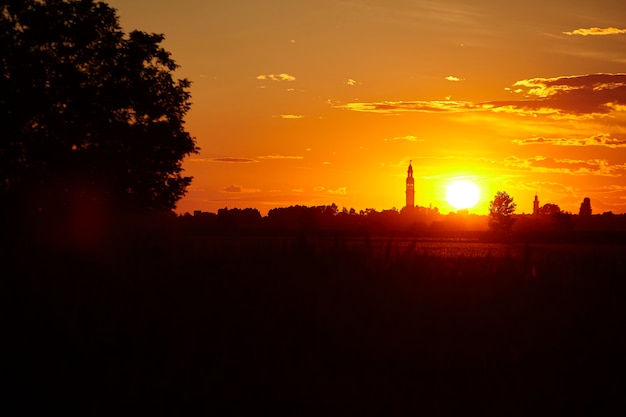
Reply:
x=585, y=207
x=88, y=112
x=501, y=210
x=549, y=209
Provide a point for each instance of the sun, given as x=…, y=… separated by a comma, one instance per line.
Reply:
x=462, y=194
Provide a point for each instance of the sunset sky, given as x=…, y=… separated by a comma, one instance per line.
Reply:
x=311, y=102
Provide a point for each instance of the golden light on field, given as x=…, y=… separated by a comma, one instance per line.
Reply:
x=462, y=194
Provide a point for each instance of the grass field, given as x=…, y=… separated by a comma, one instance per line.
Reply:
x=302, y=325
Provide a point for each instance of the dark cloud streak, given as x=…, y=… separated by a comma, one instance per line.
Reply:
x=233, y=160
x=579, y=95
x=603, y=139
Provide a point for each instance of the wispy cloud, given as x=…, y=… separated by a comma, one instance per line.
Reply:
x=340, y=191
x=452, y=78
x=239, y=189
x=596, y=31
x=351, y=82
x=291, y=116
x=226, y=159
x=603, y=139
x=394, y=107
x=278, y=156
x=276, y=77
x=596, y=167
x=409, y=138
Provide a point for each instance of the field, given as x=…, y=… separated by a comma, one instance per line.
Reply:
x=315, y=325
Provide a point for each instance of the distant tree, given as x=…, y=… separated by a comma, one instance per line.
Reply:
x=236, y=218
x=294, y=218
x=501, y=210
x=585, y=207
x=87, y=111
x=549, y=209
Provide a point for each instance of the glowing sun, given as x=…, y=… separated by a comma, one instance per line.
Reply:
x=462, y=194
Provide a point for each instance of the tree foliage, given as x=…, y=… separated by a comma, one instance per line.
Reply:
x=549, y=209
x=501, y=211
x=87, y=111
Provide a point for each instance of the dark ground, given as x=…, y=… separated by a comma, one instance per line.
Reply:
x=230, y=326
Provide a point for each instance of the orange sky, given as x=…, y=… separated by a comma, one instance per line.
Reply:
x=313, y=102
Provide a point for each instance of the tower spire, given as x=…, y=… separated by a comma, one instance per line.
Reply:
x=410, y=187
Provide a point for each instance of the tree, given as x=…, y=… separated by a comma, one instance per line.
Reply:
x=87, y=112
x=501, y=210
x=549, y=209
x=585, y=207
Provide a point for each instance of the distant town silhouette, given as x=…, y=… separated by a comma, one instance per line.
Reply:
x=545, y=221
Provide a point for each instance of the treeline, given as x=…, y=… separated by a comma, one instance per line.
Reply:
x=84, y=229
x=418, y=220
x=318, y=219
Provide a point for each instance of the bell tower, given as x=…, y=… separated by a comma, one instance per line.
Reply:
x=410, y=187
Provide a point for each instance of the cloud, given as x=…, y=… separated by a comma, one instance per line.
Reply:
x=340, y=191
x=351, y=82
x=394, y=107
x=565, y=97
x=276, y=77
x=578, y=94
x=602, y=139
x=409, y=138
x=596, y=167
x=277, y=156
x=545, y=187
x=291, y=116
x=319, y=189
x=239, y=189
x=232, y=189
x=452, y=78
x=226, y=159
x=596, y=31
x=233, y=160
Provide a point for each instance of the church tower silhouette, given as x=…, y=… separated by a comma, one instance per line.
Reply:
x=410, y=187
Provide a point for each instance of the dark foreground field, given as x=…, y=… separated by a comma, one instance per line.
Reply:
x=232, y=326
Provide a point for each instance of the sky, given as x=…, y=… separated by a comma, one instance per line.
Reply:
x=310, y=102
